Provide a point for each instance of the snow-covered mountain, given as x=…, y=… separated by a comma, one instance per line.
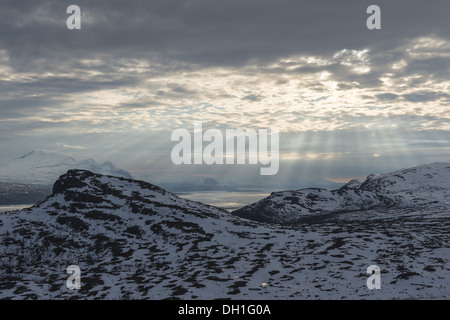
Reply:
x=425, y=186
x=134, y=240
x=41, y=167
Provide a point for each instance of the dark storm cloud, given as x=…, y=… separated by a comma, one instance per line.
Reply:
x=178, y=35
x=424, y=96
x=23, y=107
x=386, y=96
x=214, y=32
x=437, y=67
x=420, y=96
x=56, y=85
x=252, y=98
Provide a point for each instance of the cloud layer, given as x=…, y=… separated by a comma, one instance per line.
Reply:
x=139, y=69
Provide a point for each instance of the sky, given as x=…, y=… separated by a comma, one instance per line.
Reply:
x=347, y=101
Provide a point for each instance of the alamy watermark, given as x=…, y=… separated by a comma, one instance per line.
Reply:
x=74, y=280
x=228, y=148
x=374, y=281
x=74, y=20
x=374, y=21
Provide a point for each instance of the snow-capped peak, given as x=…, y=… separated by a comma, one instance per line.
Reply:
x=425, y=185
x=44, y=167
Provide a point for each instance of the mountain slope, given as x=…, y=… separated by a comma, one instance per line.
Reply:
x=43, y=168
x=134, y=240
x=418, y=187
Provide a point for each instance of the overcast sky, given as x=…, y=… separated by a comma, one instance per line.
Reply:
x=347, y=100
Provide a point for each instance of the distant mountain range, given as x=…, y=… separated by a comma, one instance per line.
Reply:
x=425, y=186
x=134, y=240
x=29, y=178
x=233, y=183
x=41, y=167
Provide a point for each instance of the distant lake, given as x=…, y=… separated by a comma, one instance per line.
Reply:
x=14, y=207
x=223, y=199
